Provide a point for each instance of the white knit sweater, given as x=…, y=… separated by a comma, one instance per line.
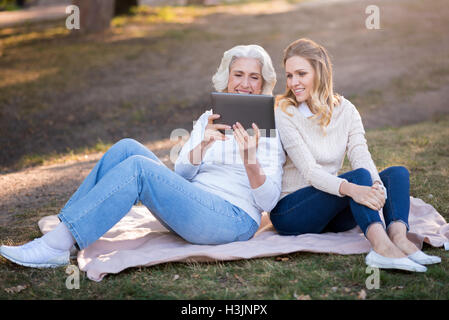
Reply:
x=314, y=158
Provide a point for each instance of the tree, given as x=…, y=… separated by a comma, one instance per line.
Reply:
x=95, y=15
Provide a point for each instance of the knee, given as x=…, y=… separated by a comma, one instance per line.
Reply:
x=137, y=160
x=141, y=163
x=126, y=147
x=125, y=143
x=288, y=228
x=362, y=177
x=396, y=172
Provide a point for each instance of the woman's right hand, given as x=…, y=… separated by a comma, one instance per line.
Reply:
x=211, y=134
x=370, y=197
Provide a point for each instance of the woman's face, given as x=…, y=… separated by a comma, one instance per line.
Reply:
x=245, y=76
x=300, y=77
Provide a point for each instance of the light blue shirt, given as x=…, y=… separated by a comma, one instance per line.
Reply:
x=222, y=171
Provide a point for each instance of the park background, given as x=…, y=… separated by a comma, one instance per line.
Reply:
x=66, y=96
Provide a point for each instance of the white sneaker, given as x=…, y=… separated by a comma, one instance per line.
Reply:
x=422, y=258
x=36, y=254
x=73, y=252
x=373, y=259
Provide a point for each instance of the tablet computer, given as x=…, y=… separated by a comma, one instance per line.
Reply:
x=246, y=109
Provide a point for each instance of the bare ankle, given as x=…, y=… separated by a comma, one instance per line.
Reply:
x=397, y=238
x=381, y=243
x=397, y=231
x=405, y=245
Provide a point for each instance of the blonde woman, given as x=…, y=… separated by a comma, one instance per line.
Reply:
x=317, y=128
x=204, y=201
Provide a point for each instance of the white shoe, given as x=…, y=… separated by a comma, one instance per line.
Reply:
x=422, y=258
x=373, y=259
x=36, y=254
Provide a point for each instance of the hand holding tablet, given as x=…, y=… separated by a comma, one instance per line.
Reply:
x=247, y=143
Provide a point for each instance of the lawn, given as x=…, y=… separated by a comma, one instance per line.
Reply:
x=65, y=97
x=422, y=148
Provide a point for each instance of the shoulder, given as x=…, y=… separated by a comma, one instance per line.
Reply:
x=346, y=109
x=346, y=105
x=351, y=116
x=286, y=113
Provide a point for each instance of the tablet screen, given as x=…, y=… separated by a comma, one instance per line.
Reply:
x=246, y=109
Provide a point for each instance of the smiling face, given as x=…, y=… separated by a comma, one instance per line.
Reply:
x=245, y=76
x=300, y=77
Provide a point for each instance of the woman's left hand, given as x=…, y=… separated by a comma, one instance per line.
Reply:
x=377, y=185
x=247, y=143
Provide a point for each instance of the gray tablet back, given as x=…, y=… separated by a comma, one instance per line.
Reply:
x=246, y=109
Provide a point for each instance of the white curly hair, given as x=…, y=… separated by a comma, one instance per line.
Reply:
x=221, y=77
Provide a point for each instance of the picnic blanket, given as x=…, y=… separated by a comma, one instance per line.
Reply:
x=140, y=240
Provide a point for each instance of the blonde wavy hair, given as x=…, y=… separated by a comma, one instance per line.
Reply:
x=221, y=77
x=322, y=99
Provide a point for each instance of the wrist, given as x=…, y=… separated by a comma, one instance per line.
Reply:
x=252, y=167
x=256, y=175
x=196, y=154
x=347, y=188
x=249, y=159
x=205, y=144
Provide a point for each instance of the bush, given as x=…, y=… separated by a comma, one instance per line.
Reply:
x=124, y=6
x=8, y=5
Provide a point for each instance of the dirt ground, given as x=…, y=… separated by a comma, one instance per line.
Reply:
x=396, y=75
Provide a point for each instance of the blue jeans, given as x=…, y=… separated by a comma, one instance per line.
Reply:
x=127, y=173
x=309, y=210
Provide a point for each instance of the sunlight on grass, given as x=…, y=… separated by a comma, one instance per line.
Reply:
x=80, y=154
x=10, y=76
x=23, y=37
x=145, y=16
x=145, y=20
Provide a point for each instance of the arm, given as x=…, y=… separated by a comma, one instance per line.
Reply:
x=183, y=166
x=357, y=150
x=203, y=135
x=357, y=147
x=248, y=153
x=272, y=159
x=372, y=197
x=317, y=177
x=211, y=134
x=302, y=158
x=264, y=175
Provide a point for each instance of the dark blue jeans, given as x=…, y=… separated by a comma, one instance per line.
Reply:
x=309, y=210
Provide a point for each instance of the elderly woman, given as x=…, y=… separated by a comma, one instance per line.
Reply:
x=205, y=200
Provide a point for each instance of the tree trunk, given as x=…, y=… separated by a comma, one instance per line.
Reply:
x=95, y=15
x=196, y=2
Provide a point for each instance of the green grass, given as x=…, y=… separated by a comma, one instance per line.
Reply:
x=35, y=159
x=423, y=148
x=42, y=59
x=8, y=5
